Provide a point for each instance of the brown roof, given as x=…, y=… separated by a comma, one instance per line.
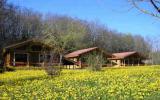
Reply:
x=25, y=42
x=18, y=44
x=79, y=52
x=123, y=55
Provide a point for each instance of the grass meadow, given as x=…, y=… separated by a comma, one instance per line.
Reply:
x=127, y=83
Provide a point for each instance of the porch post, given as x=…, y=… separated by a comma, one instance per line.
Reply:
x=7, y=59
x=14, y=59
x=111, y=63
x=27, y=59
x=80, y=63
x=138, y=61
x=128, y=62
x=39, y=59
x=43, y=59
x=122, y=62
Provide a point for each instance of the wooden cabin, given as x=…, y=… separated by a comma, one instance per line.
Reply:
x=79, y=57
x=127, y=59
x=29, y=53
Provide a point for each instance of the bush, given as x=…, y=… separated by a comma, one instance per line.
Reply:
x=6, y=68
x=95, y=62
x=9, y=68
x=28, y=68
x=53, y=70
x=1, y=70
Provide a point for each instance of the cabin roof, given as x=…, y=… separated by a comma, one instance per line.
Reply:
x=18, y=44
x=79, y=52
x=123, y=55
x=23, y=43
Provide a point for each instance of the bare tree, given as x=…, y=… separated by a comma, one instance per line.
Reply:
x=155, y=4
x=63, y=33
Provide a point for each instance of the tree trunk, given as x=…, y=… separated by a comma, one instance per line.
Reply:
x=60, y=60
x=51, y=59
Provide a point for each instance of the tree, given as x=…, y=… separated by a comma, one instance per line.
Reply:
x=154, y=55
x=95, y=61
x=62, y=33
x=153, y=44
x=142, y=45
x=155, y=4
x=17, y=24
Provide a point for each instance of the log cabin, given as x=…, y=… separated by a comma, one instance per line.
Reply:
x=29, y=53
x=127, y=59
x=35, y=53
x=79, y=57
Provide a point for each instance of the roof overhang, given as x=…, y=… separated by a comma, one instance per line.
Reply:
x=84, y=51
x=124, y=55
x=26, y=42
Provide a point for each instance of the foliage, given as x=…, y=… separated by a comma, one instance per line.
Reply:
x=95, y=62
x=62, y=32
x=155, y=58
x=154, y=6
x=9, y=68
x=113, y=83
x=28, y=68
x=1, y=69
x=65, y=33
x=53, y=70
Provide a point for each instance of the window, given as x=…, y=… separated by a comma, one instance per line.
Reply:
x=21, y=57
x=47, y=56
x=41, y=58
x=36, y=48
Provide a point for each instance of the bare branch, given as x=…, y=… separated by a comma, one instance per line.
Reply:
x=143, y=10
x=155, y=6
x=157, y=1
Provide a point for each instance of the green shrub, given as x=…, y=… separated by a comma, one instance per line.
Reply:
x=9, y=68
x=53, y=70
x=95, y=62
x=29, y=68
x=1, y=69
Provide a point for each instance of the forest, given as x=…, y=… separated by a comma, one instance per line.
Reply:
x=65, y=32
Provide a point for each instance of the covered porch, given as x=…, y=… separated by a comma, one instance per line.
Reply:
x=127, y=62
x=127, y=59
x=29, y=53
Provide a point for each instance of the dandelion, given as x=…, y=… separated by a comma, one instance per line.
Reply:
x=124, y=83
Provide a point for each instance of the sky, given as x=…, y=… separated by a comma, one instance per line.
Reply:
x=115, y=14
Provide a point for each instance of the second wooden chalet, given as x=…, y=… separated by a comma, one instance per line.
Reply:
x=79, y=57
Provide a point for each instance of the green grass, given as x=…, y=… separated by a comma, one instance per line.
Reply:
x=129, y=83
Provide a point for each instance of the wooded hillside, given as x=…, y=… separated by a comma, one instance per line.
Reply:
x=17, y=24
